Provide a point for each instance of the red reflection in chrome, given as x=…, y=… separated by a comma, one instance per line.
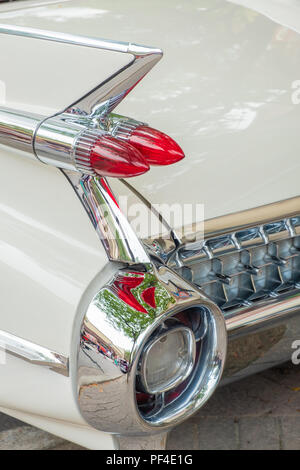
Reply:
x=142, y=397
x=109, y=191
x=148, y=295
x=157, y=147
x=112, y=157
x=122, y=287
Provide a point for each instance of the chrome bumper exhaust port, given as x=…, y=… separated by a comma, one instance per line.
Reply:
x=152, y=351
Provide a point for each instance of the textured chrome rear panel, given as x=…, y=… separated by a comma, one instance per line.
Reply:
x=245, y=266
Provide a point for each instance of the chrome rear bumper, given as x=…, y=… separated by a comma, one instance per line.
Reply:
x=261, y=337
x=243, y=278
x=249, y=264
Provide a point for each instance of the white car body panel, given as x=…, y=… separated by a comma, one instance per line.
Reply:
x=231, y=112
x=82, y=435
x=217, y=119
x=49, y=254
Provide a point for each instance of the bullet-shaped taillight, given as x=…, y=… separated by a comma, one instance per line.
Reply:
x=156, y=147
x=120, y=147
x=107, y=156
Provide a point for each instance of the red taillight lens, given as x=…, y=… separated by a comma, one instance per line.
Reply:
x=128, y=152
x=155, y=146
x=108, y=156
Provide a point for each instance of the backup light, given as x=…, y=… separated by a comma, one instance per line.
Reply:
x=168, y=360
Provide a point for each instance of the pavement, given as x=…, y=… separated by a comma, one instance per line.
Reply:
x=259, y=412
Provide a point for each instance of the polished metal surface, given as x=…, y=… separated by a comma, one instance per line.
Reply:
x=115, y=329
x=82, y=150
x=262, y=336
x=260, y=330
x=34, y=353
x=122, y=127
x=116, y=234
x=55, y=141
x=63, y=140
x=17, y=129
x=245, y=319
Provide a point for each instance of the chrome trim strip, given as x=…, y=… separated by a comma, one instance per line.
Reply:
x=264, y=311
x=34, y=353
x=78, y=40
x=192, y=238
x=248, y=218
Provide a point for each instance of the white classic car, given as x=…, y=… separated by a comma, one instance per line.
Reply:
x=134, y=280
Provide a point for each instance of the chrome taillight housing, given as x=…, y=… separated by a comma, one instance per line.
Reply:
x=152, y=351
x=115, y=147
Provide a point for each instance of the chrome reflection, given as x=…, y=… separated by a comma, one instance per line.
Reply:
x=34, y=353
x=260, y=337
x=116, y=327
x=117, y=236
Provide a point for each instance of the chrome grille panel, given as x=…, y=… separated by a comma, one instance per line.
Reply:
x=242, y=267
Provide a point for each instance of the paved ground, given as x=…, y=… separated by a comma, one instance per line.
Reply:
x=260, y=412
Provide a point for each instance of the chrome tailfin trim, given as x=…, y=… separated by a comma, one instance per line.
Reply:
x=52, y=138
x=116, y=234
